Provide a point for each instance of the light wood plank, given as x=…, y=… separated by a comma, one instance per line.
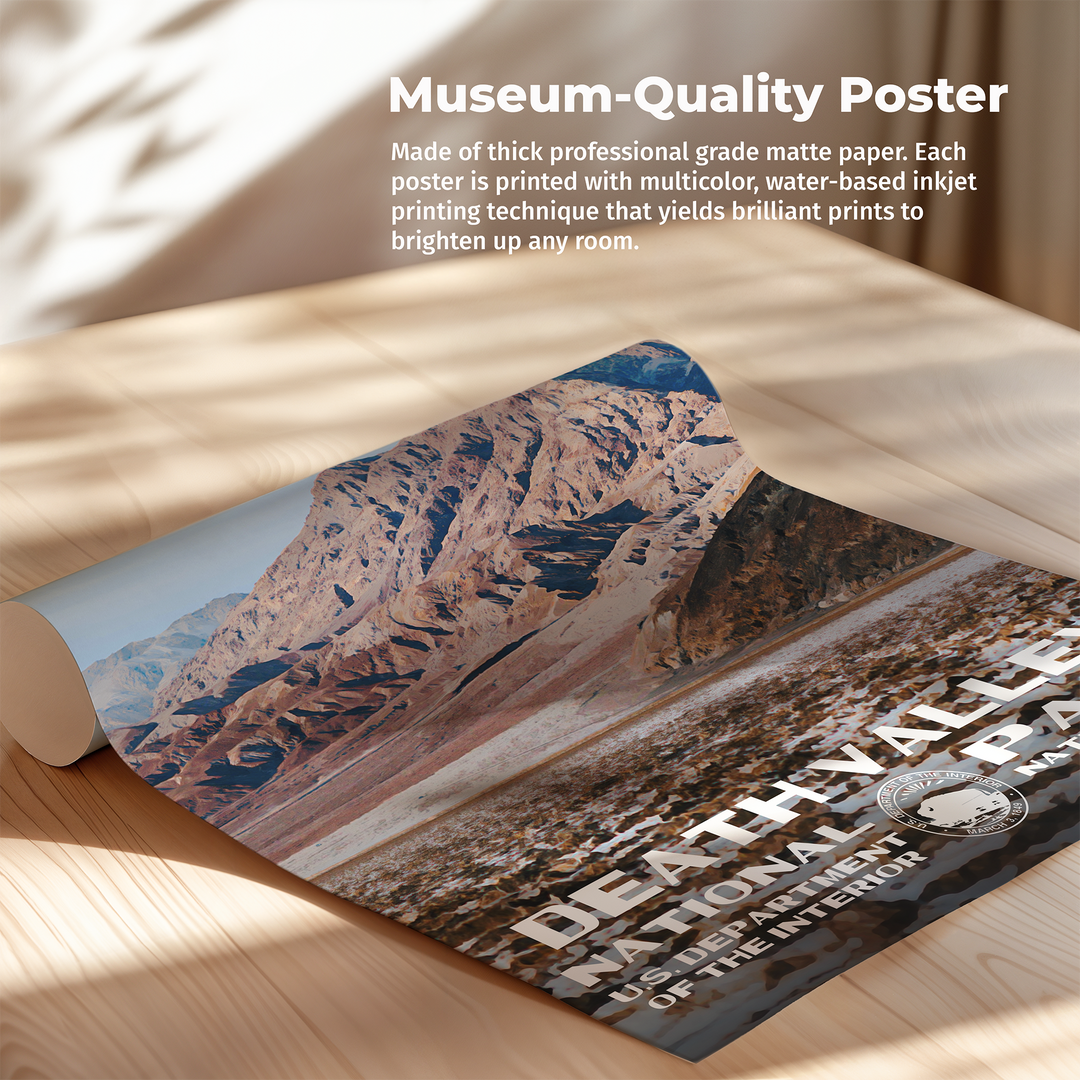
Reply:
x=141, y=942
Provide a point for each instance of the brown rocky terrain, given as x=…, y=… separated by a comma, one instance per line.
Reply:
x=540, y=566
x=781, y=554
x=437, y=595
x=123, y=685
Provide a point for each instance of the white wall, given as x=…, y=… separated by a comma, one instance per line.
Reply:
x=166, y=152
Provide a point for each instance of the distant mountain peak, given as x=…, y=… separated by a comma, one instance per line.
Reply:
x=649, y=365
x=122, y=685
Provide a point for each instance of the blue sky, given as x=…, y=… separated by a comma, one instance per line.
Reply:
x=137, y=594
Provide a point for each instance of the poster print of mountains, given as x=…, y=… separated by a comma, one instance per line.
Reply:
x=568, y=684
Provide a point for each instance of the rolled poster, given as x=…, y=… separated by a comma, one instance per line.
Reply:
x=570, y=685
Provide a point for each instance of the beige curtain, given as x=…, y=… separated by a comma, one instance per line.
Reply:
x=1018, y=236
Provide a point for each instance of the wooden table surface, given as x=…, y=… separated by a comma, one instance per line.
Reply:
x=142, y=942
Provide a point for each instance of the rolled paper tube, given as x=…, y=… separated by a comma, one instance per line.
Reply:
x=569, y=684
x=56, y=637
x=44, y=702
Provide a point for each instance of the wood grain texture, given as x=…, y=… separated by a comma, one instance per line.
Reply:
x=141, y=942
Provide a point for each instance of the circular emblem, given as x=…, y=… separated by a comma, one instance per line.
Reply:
x=952, y=803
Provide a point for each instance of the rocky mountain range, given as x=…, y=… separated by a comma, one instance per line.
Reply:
x=557, y=558
x=436, y=595
x=780, y=555
x=122, y=685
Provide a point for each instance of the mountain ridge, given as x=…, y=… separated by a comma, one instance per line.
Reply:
x=571, y=504
x=122, y=685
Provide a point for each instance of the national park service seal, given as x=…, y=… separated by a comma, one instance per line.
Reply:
x=952, y=803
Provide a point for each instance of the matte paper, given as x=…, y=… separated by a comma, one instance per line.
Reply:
x=570, y=685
